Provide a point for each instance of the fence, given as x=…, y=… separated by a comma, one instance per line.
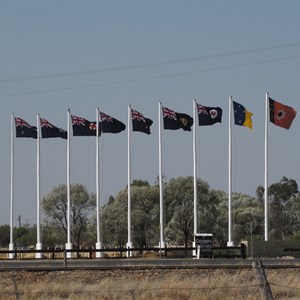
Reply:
x=90, y=253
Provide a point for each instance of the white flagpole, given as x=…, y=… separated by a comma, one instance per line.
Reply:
x=11, y=243
x=162, y=242
x=266, y=167
x=98, y=244
x=69, y=243
x=38, y=193
x=230, y=243
x=129, y=243
x=195, y=174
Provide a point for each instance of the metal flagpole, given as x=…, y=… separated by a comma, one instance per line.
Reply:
x=129, y=243
x=230, y=243
x=69, y=243
x=195, y=175
x=11, y=241
x=38, y=196
x=98, y=244
x=266, y=167
x=162, y=242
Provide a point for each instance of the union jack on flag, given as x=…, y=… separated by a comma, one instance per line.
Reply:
x=21, y=123
x=168, y=113
x=105, y=117
x=78, y=120
x=45, y=123
x=201, y=109
x=137, y=116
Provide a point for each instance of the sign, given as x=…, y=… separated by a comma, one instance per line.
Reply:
x=204, y=241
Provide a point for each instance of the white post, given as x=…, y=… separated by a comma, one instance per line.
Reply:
x=69, y=243
x=266, y=167
x=129, y=122
x=38, y=195
x=229, y=243
x=161, y=214
x=98, y=243
x=11, y=240
x=195, y=174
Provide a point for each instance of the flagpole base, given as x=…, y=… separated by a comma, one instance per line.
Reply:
x=11, y=248
x=39, y=246
x=129, y=246
x=229, y=244
x=69, y=246
x=99, y=254
x=161, y=246
x=195, y=250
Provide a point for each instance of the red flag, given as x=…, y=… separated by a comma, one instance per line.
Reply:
x=280, y=114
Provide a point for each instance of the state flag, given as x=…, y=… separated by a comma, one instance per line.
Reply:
x=48, y=130
x=110, y=124
x=24, y=130
x=83, y=127
x=174, y=120
x=140, y=123
x=242, y=116
x=280, y=114
x=209, y=115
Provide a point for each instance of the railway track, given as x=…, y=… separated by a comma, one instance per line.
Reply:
x=140, y=264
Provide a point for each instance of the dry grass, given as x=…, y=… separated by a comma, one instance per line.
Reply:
x=147, y=284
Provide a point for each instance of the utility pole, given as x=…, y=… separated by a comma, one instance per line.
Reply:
x=19, y=220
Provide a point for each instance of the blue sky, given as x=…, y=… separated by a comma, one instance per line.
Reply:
x=82, y=55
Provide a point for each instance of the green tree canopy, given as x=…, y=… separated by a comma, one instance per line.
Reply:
x=82, y=206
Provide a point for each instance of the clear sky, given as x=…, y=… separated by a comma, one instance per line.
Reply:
x=82, y=55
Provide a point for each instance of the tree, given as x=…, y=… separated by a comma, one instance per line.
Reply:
x=82, y=206
x=114, y=223
x=4, y=235
x=179, y=200
x=144, y=216
x=280, y=194
x=248, y=217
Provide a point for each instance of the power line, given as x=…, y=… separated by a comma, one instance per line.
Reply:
x=149, y=78
x=151, y=64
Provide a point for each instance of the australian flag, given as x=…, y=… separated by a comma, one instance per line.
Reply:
x=23, y=129
x=174, y=120
x=83, y=127
x=209, y=115
x=111, y=125
x=140, y=123
x=50, y=131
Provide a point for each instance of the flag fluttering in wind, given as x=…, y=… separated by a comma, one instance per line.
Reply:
x=48, y=130
x=111, y=125
x=83, y=127
x=174, y=120
x=280, y=114
x=242, y=116
x=140, y=123
x=208, y=115
x=24, y=130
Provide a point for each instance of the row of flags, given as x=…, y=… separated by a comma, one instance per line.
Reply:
x=280, y=115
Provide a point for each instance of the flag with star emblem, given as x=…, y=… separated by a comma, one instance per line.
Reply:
x=83, y=127
x=242, y=116
x=208, y=115
x=140, y=123
x=111, y=125
x=280, y=114
x=23, y=129
x=174, y=120
x=48, y=130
